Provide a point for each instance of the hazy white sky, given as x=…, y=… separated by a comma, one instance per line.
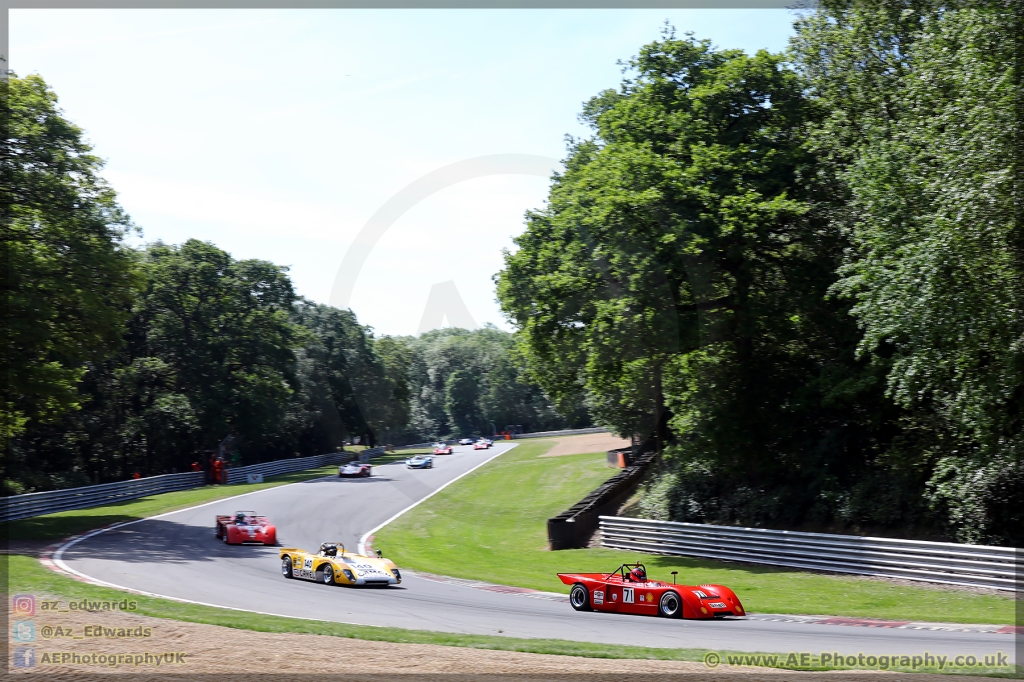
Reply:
x=276, y=134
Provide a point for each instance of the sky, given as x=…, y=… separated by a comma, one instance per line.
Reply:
x=278, y=134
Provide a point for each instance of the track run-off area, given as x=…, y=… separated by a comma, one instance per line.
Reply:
x=176, y=556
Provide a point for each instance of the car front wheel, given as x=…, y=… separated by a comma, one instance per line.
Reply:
x=579, y=597
x=326, y=575
x=670, y=606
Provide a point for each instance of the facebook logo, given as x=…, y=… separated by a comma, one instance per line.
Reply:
x=24, y=657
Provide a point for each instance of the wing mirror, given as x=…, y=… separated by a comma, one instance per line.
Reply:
x=380, y=554
x=674, y=574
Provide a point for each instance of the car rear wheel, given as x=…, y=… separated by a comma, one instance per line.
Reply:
x=224, y=536
x=326, y=574
x=286, y=567
x=579, y=597
x=670, y=605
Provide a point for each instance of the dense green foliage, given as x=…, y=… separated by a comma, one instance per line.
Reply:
x=924, y=136
x=801, y=274
x=464, y=382
x=67, y=279
x=678, y=278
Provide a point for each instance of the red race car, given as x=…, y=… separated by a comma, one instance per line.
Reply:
x=481, y=445
x=442, y=449
x=628, y=590
x=245, y=528
x=355, y=469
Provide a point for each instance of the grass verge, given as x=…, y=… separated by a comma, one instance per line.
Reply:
x=64, y=524
x=25, y=575
x=491, y=526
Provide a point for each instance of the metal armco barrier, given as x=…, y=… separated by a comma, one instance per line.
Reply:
x=574, y=527
x=937, y=562
x=287, y=466
x=53, y=501
x=369, y=453
x=37, y=504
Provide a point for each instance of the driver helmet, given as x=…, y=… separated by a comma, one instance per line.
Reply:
x=638, y=574
x=240, y=517
x=329, y=550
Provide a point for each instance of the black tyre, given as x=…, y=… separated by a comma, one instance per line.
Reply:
x=670, y=606
x=326, y=574
x=286, y=567
x=224, y=537
x=579, y=597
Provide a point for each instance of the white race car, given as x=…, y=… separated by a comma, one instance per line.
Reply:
x=466, y=441
x=355, y=469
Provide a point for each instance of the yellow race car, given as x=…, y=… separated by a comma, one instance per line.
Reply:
x=332, y=565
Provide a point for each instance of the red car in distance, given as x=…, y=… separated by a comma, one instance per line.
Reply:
x=442, y=449
x=628, y=590
x=246, y=528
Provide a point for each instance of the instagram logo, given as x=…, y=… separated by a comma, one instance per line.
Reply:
x=24, y=605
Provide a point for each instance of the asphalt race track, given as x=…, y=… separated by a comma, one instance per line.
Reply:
x=176, y=555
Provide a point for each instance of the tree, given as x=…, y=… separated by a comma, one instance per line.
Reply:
x=461, y=403
x=69, y=280
x=462, y=382
x=923, y=140
x=677, y=279
x=223, y=326
x=365, y=379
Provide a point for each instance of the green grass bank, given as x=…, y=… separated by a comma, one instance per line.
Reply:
x=491, y=525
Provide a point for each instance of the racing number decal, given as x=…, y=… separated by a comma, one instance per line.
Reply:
x=627, y=595
x=306, y=571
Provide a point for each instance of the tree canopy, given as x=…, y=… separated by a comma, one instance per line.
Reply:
x=799, y=274
x=68, y=278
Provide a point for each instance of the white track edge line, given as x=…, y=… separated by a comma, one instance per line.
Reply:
x=59, y=552
x=361, y=547
x=131, y=590
x=57, y=561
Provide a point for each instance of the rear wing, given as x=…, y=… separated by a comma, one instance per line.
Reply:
x=230, y=518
